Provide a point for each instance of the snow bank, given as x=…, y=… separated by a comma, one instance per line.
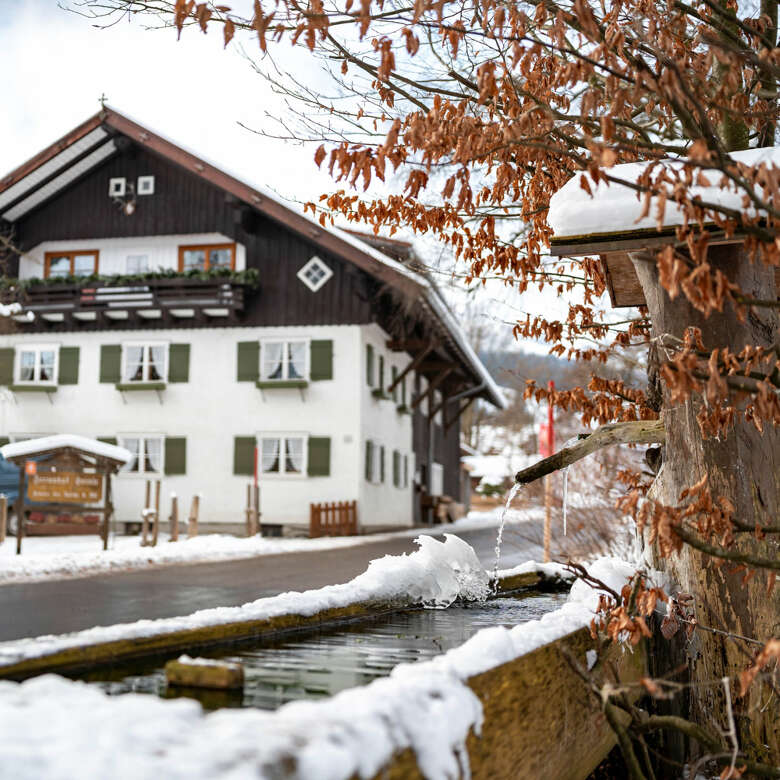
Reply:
x=615, y=209
x=59, y=729
x=60, y=557
x=435, y=575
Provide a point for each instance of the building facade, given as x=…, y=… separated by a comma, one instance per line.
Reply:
x=170, y=307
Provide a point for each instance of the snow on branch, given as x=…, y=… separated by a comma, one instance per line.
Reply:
x=633, y=432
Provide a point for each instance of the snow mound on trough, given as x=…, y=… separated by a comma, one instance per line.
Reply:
x=59, y=729
x=435, y=575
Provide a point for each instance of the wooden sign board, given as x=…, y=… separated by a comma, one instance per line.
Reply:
x=65, y=487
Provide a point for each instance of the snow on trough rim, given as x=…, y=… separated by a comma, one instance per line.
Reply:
x=51, y=724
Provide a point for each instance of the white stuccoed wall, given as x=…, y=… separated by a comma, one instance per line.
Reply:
x=383, y=504
x=162, y=251
x=212, y=408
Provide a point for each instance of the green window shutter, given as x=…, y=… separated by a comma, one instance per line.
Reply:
x=369, y=365
x=406, y=471
x=382, y=374
x=108, y=439
x=369, y=459
x=403, y=391
x=382, y=464
x=179, y=363
x=110, y=363
x=396, y=468
x=321, y=365
x=69, y=366
x=248, y=358
x=4, y=440
x=319, y=456
x=394, y=375
x=7, y=366
x=175, y=455
x=244, y=454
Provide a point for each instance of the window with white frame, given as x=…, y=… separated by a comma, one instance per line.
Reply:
x=147, y=451
x=144, y=362
x=374, y=462
x=437, y=479
x=37, y=364
x=314, y=274
x=284, y=360
x=283, y=453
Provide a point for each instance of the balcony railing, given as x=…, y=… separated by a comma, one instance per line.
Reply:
x=178, y=297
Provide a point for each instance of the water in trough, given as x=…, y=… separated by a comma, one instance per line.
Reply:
x=324, y=663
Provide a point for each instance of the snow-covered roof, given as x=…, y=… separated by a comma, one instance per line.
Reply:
x=91, y=446
x=613, y=208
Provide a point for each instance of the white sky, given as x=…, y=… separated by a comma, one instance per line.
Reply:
x=56, y=65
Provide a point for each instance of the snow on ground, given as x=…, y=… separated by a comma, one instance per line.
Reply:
x=59, y=729
x=59, y=557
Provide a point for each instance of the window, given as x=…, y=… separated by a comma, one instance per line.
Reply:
x=283, y=454
x=397, y=479
x=205, y=258
x=147, y=451
x=145, y=185
x=37, y=365
x=315, y=274
x=137, y=264
x=284, y=360
x=80, y=263
x=437, y=479
x=144, y=363
x=375, y=462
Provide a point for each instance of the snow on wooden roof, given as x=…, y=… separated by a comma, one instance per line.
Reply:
x=32, y=447
x=613, y=209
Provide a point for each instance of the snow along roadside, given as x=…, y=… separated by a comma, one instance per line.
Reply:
x=56, y=558
x=50, y=723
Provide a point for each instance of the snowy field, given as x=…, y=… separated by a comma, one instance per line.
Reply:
x=60, y=729
x=60, y=557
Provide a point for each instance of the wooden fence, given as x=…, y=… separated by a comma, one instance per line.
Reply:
x=338, y=518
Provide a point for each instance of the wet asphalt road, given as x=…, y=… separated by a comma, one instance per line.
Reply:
x=61, y=606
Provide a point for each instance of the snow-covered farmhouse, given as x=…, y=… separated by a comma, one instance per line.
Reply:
x=192, y=318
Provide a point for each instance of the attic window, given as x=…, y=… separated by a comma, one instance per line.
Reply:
x=146, y=185
x=314, y=274
x=116, y=187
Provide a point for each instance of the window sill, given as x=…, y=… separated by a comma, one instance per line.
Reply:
x=403, y=409
x=33, y=388
x=123, y=386
x=272, y=384
x=380, y=395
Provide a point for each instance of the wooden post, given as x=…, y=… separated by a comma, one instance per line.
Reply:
x=547, y=516
x=173, y=520
x=107, y=510
x=248, y=512
x=192, y=525
x=145, y=514
x=3, y=517
x=256, y=491
x=156, y=519
x=20, y=512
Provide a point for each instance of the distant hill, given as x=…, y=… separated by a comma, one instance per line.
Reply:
x=512, y=367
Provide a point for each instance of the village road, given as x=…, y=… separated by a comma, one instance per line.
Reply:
x=57, y=607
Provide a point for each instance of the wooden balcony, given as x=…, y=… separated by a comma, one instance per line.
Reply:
x=144, y=301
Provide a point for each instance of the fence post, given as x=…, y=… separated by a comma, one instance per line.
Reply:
x=256, y=492
x=3, y=517
x=173, y=520
x=192, y=524
x=156, y=516
x=145, y=514
x=248, y=520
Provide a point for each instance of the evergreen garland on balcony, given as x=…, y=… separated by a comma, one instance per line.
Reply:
x=249, y=276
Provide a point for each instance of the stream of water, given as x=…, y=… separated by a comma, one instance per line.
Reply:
x=324, y=663
x=500, y=536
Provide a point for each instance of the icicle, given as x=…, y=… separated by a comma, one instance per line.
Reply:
x=499, y=538
x=565, y=490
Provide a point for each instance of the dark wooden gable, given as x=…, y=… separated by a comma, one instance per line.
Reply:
x=183, y=203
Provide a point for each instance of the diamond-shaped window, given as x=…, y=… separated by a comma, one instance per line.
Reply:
x=314, y=274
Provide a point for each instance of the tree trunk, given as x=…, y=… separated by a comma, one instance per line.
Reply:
x=745, y=467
